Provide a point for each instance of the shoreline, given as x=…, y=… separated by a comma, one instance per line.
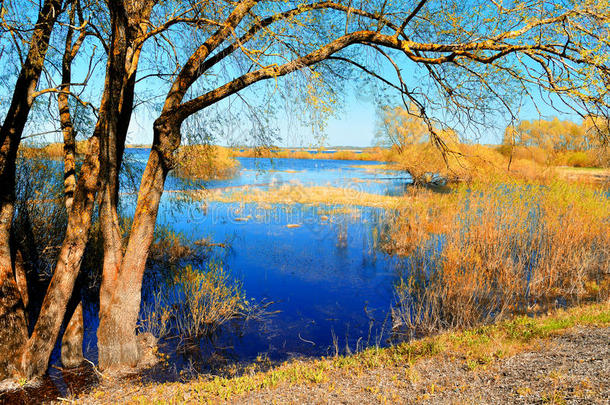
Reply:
x=419, y=367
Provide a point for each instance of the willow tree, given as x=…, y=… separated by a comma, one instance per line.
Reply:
x=471, y=59
x=100, y=173
x=554, y=135
x=129, y=23
x=13, y=327
x=29, y=354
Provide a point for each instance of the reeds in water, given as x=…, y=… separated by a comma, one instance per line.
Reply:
x=484, y=252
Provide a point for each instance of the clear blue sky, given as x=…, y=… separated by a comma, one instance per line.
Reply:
x=353, y=125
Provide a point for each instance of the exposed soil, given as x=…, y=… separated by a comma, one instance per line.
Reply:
x=570, y=368
x=47, y=389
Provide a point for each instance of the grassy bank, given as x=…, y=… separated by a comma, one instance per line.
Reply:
x=475, y=348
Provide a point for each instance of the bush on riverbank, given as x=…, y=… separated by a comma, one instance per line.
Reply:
x=205, y=162
x=486, y=251
x=595, y=157
x=467, y=163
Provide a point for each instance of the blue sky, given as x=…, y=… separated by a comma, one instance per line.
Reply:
x=354, y=122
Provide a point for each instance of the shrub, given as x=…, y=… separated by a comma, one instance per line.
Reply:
x=205, y=162
x=194, y=303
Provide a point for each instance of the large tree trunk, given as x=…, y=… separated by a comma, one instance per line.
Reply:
x=133, y=20
x=13, y=326
x=72, y=341
x=133, y=28
x=35, y=358
x=13, y=330
x=117, y=331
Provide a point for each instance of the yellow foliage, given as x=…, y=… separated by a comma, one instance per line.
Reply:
x=205, y=162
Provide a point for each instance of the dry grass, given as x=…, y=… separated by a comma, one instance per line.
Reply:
x=52, y=150
x=487, y=251
x=205, y=162
x=368, y=154
x=584, y=174
x=193, y=304
x=298, y=194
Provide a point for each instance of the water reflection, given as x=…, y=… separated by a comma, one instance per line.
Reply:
x=317, y=264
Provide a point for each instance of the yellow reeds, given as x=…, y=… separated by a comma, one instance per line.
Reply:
x=299, y=194
x=487, y=251
x=367, y=154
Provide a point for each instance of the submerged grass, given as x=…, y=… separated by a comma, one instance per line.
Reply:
x=475, y=347
x=193, y=304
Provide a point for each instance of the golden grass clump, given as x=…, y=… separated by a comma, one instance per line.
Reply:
x=194, y=303
x=482, y=252
x=205, y=162
x=207, y=300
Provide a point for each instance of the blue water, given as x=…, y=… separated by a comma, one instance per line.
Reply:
x=324, y=278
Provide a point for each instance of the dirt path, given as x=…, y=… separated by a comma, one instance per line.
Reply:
x=570, y=368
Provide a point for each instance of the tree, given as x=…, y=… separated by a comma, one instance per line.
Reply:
x=13, y=328
x=400, y=127
x=72, y=342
